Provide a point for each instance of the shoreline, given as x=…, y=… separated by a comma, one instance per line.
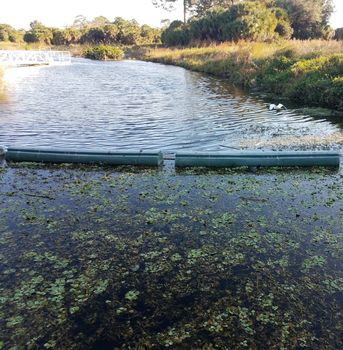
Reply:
x=306, y=73
x=304, y=76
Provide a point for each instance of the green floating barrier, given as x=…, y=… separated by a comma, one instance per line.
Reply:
x=258, y=158
x=84, y=157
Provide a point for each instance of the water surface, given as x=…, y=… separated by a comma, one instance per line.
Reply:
x=140, y=105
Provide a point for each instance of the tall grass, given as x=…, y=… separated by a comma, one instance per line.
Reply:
x=301, y=48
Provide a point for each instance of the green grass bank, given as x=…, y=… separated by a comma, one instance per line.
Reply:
x=310, y=73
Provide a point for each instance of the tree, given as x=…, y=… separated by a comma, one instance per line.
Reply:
x=94, y=35
x=99, y=21
x=8, y=33
x=72, y=35
x=202, y=7
x=309, y=18
x=38, y=33
x=198, y=7
x=3, y=33
x=176, y=34
x=80, y=22
x=170, y=5
x=58, y=37
x=111, y=32
x=165, y=23
x=246, y=20
x=149, y=35
x=129, y=31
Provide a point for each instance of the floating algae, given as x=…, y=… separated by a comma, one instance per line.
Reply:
x=97, y=258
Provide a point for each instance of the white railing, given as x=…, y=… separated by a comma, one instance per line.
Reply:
x=30, y=57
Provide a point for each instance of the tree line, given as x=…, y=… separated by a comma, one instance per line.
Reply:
x=98, y=31
x=227, y=20
x=204, y=20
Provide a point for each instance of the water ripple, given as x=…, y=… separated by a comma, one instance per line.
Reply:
x=132, y=104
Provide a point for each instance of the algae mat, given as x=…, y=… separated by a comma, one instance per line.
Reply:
x=98, y=258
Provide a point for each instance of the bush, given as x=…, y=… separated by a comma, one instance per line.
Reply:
x=315, y=82
x=104, y=52
x=176, y=34
x=242, y=21
x=287, y=52
x=248, y=21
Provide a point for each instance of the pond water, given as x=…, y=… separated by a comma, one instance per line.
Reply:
x=140, y=105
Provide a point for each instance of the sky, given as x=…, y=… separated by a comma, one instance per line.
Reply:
x=61, y=13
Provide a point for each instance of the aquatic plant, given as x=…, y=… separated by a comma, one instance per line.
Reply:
x=251, y=260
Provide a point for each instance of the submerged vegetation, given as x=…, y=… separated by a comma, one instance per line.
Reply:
x=308, y=72
x=98, y=258
x=127, y=258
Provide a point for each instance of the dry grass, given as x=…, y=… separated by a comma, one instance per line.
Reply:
x=22, y=46
x=256, y=50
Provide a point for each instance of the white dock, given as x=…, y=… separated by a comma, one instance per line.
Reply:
x=33, y=58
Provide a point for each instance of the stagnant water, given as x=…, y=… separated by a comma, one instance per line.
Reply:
x=139, y=105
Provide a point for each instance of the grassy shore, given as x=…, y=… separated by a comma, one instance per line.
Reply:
x=307, y=72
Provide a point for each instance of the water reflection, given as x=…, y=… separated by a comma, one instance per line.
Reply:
x=139, y=105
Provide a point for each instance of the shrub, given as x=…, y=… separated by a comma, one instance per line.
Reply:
x=287, y=52
x=176, y=34
x=247, y=20
x=316, y=82
x=104, y=52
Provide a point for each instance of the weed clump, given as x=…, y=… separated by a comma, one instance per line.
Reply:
x=104, y=52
